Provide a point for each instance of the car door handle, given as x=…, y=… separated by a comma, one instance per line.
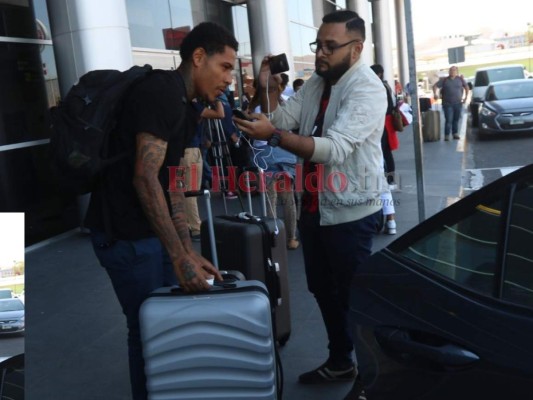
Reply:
x=401, y=341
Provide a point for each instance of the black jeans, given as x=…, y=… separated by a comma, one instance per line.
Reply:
x=390, y=166
x=331, y=255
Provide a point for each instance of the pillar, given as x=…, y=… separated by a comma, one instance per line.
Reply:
x=269, y=31
x=362, y=7
x=382, y=37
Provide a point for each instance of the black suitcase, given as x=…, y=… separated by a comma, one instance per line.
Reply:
x=424, y=104
x=255, y=246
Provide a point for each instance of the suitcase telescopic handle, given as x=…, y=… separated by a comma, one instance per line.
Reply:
x=210, y=225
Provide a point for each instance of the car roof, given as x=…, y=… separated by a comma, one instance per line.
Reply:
x=524, y=81
x=11, y=299
x=500, y=67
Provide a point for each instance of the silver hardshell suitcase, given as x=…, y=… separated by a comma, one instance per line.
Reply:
x=213, y=345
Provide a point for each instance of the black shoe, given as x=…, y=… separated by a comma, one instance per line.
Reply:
x=357, y=392
x=327, y=373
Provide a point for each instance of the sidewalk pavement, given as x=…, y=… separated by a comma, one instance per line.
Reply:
x=76, y=334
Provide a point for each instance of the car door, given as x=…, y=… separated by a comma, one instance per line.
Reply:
x=446, y=310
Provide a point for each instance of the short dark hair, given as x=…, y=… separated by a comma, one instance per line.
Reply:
x=297, y=82
x=353, y=21
x=284, y=78
x=377, y=68
x=212, y=37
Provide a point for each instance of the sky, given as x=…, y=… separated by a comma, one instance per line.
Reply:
x=11, y=238
x=434, y=19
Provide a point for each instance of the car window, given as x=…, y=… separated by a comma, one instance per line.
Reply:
x=518, y=268
x=491, y=95
x=482, y=79
x=11, y=305
x=486, y=246
x=513, y=91
x=464, y=250
x=503, y=74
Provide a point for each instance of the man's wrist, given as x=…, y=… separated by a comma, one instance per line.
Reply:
x=275, y=139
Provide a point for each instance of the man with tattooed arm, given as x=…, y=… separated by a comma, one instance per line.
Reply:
x=137, y=214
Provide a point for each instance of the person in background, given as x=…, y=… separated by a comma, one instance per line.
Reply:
x=193, y=163
x=340, y=114
x=239, y=149
x=389, y=225
x=279, y=165
x=398, y=90
x=137, y=215
x=286, y=90
x=390, y=166
x=297, y=84
x=453, y=92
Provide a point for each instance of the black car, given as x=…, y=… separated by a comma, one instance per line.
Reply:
x=508, y=108
x=446, y=311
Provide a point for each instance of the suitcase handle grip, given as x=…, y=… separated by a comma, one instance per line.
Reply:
x=195, y=193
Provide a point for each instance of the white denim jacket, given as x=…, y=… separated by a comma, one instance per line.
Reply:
x=350, y=146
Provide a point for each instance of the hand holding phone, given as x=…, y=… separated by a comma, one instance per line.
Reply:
x=241, y=115
x=278, y=64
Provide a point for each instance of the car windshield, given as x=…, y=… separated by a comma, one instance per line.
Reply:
x=512, y=91
x=11, y=305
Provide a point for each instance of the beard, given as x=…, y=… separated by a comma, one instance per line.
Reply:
x=333, y=73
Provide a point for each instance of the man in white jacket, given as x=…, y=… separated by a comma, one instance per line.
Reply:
x=340, y=114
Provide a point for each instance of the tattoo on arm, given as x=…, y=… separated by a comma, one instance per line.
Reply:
x=179, y=216
x=151, y=152
x=188, y=271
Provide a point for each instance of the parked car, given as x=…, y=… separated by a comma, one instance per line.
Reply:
x=484, y=77
x=22, y=296
x=446, y=310
x=11, y=316
x=6, y=293
x=12, y=377
x=507, y=108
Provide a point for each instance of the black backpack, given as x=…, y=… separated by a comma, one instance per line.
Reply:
x=82, y=123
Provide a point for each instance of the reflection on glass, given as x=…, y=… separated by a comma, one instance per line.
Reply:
x=147, y=19
x=242, y=31
x=17, y=19
x=464, y=251
x=304, y=60
x=518, y=278
x=41, y=15
x=160, y=24
x=300, y=11
x=32, y=189
x=23, y=99
x=50, y=76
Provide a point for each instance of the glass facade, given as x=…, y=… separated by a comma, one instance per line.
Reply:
x=29, y=88
x=29, y=82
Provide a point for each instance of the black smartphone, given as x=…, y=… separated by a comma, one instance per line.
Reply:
x=239, y=114
x=278, y=64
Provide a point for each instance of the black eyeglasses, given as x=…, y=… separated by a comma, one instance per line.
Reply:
x=328, y=49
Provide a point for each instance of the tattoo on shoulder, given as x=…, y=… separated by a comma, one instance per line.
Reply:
x=151, y=149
